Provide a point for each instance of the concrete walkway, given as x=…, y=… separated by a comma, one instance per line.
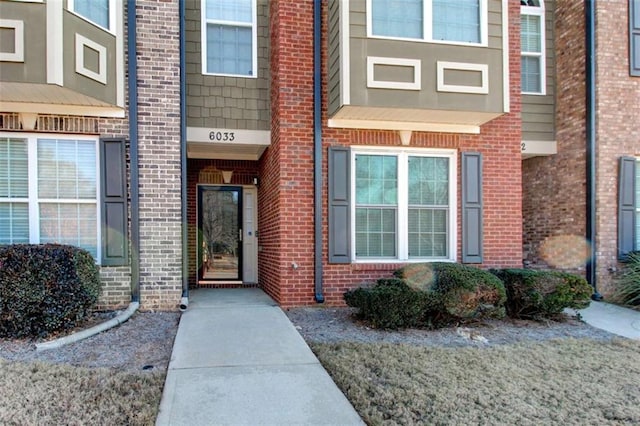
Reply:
x=612, y=318
x=238, y=360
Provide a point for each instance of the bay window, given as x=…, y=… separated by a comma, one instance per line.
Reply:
x=229, y=37
x=49, y=191
x=462, y=21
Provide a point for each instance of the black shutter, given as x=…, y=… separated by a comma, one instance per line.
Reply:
x=339, y=226
x=634, y=37
x=626, y=206
x=471, y=207
x=113, y=198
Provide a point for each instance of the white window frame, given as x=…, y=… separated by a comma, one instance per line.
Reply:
x=538, y=11
x=112, y=15
x=34, y=201
x=254, y=39
x=427, y=26
x=402, y=225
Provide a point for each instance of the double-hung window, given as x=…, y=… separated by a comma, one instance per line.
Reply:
x=49, y=190
x=229, y=38
x=532, y=46
x=97, y=11
x=404, y=205
x=461, y=21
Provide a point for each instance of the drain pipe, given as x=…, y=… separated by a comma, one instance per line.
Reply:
x=590, y=62
x=184, y=300
x=317, y=147
x=132, y=68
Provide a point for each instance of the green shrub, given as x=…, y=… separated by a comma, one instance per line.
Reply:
x=628, y=281
x=459, y=292
x=429, y=295
x=542, y=294
x=45, y=288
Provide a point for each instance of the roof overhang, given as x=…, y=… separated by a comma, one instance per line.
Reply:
x=226, y=144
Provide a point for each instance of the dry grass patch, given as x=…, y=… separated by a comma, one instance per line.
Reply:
x=41, y=393
x=557, y=382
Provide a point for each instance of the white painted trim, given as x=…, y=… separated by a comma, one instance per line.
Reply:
x=254, y=40
x=240, y=136
x=101, y=75
x=345, y=55
x=427, y=26
x=55, y=52
x=402, y=207
x=403, y=125
x=416, y=64
x=18, y=40
x=506, y=65
x=532, y=148
x=61, y=109
x=462, y=66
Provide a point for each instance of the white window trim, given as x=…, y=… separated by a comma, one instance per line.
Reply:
x=427, y=26
x=402, y=206
x=254, y=39
x=538, y=11
x=18, y=40
x=34, y=201
x=112, y=15
x=101, y=75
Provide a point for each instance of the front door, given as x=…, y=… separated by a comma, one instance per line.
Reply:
x=220, y=233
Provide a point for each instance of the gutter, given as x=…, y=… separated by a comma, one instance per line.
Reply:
x=317, y=148
x=132, y=67
x=184, y=301
x=75, y=337
x=590, y=70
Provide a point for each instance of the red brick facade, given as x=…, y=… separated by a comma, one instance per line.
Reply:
x=286, y=170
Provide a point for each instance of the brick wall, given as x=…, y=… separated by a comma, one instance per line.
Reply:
x=554, y=197
x=618, y=127
x=159, y=153
x=286, y=193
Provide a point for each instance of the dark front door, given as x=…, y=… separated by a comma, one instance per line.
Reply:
x=220, y=233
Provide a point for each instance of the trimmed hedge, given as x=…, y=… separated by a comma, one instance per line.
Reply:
x=461, y=292
x=45, y=288
x=429, y=295
x=542, y=294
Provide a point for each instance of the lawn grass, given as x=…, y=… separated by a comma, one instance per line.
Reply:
x=52, y=394
x=558, y=382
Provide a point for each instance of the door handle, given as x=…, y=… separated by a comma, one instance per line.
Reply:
x=240, y=234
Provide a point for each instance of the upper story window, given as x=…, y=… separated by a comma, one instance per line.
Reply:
x=532, y=47
x=462, y=21
x=229, y=38
x=96, y=11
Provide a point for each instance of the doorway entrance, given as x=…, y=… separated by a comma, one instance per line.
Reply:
x=227, y=249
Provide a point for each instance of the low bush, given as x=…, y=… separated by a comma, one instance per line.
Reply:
x=628, y=281
x=45, y=288
x=459, y=292
x=429, y=295
x=542, y=294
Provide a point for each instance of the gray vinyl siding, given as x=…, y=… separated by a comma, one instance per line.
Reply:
x=538, y=111
x=226, y=102
x=34, y=67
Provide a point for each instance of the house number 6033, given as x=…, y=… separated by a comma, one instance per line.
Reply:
x=222, y=136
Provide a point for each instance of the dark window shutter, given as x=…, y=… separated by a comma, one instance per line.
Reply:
x=626, y=206
x=471, y=207
x=113, y=198
x=634, y=37
x=339, y=198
